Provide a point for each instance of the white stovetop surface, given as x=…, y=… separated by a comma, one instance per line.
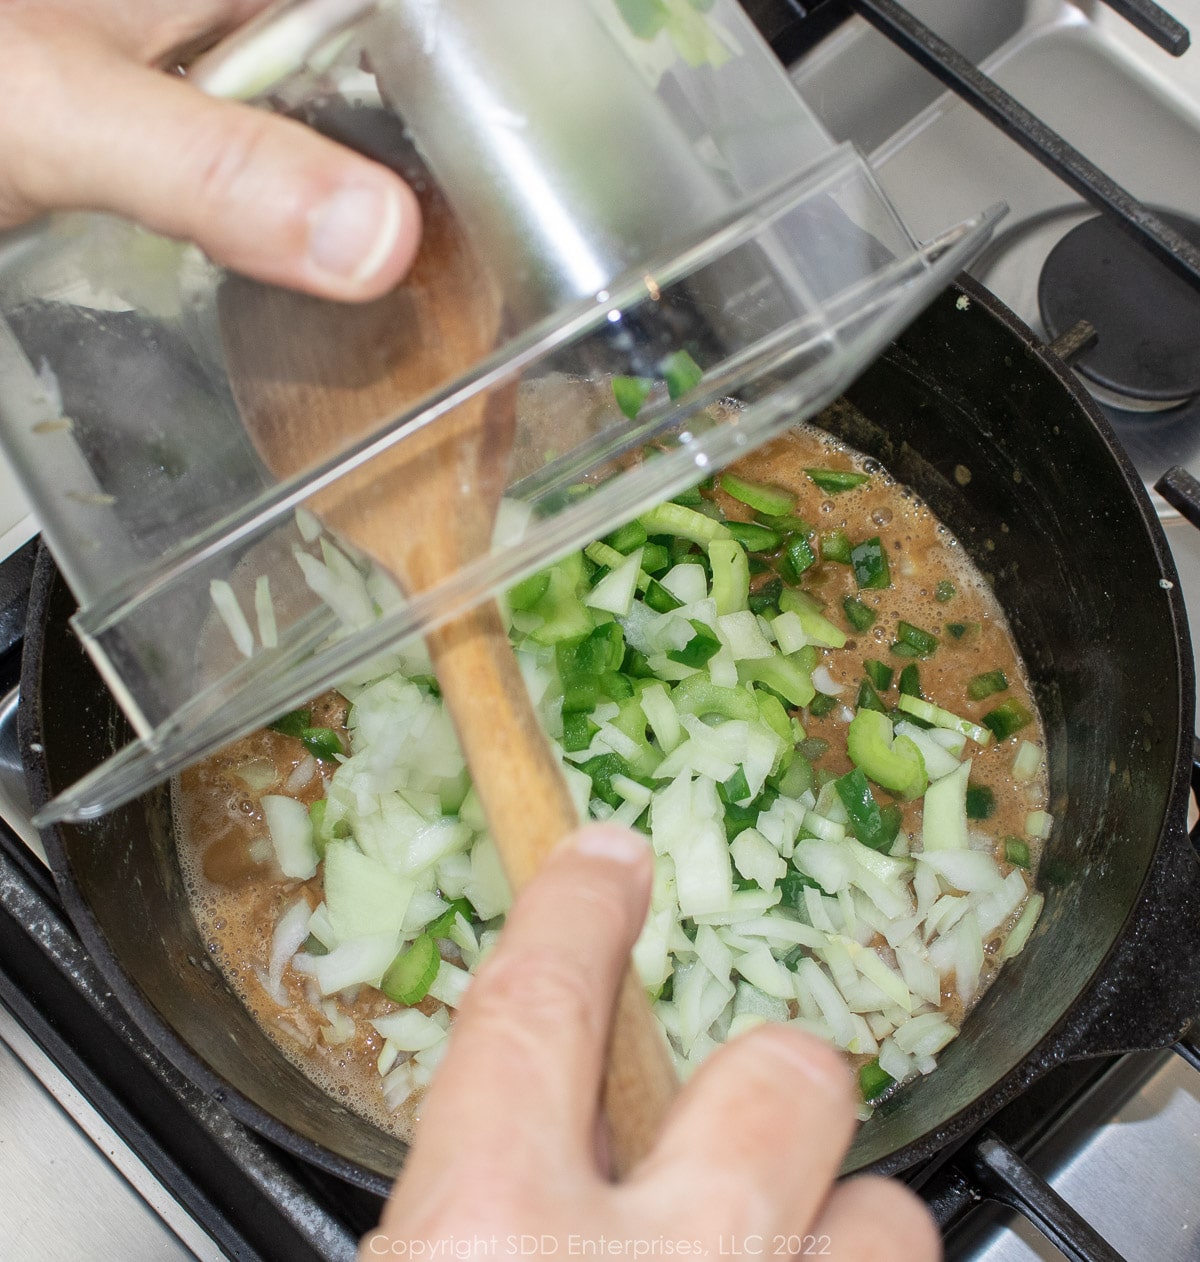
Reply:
x=16, y=518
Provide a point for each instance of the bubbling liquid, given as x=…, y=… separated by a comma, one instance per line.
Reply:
x=238, y=893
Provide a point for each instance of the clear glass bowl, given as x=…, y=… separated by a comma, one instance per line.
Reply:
x=653, y=205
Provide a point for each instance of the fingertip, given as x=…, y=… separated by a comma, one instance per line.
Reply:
x=618, y=855
x=614, y=844
x=800, y=1052
x=362, y=235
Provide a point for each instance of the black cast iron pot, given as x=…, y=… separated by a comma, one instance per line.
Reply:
x=993, y=433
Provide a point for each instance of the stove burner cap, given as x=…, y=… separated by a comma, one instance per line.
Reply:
x=1147, y=353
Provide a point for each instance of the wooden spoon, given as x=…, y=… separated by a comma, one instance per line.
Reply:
x=309, y=378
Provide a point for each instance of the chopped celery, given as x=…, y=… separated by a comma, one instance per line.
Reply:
x=945, y=591
x=316, y=815
x=944, y=819
x=772, y=500
x=730, y=575
x=836, y=480
x=943, y=718
x=412, y=972
x=817, y=627
x=683, y=523
x=891, y=761
x=604, y=554
x=784, y=674
x=772, y=713
x=753, y=537
x=697, y=695
x=797, y=779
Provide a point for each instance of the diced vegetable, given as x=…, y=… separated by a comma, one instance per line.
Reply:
x=681, y=373
x=858, y=615
x=836, y=480
x=291, y=836
x=771, y=500
x=1007, y=719
x=943, y=718
x=411, y=974
x=871, y=569
x=1016, y=852
x=985, y=685
x=675, y=663
x=911, y=641
x=891, y=761
x=630, y=393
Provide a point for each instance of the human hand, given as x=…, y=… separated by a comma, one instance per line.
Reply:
x=507, y=1160
x=91, y=121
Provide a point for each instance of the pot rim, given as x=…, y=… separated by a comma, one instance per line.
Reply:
x=1082, y=1030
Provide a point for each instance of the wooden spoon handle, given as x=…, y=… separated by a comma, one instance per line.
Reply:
x=529, y=811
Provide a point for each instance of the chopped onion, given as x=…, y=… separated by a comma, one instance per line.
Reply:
x=410, y=1030
x=302, y=774
x=226, y=604
x=1027, y=762
x=290, y=934
x=341, y=1025
x=1038, y=824
x=291, y=835
x=1014, y=944
x=264, y=610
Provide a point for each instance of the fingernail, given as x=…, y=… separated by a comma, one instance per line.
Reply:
x=352, y=232
x=618, y=845
x=813, y=1057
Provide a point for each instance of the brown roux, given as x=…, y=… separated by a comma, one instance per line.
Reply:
x=237, y=900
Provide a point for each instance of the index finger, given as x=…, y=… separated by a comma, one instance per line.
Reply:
x=522, y=1074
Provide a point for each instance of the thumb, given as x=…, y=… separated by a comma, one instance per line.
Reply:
x=260, y=194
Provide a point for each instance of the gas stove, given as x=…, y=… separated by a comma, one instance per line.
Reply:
x=1104, y=1155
